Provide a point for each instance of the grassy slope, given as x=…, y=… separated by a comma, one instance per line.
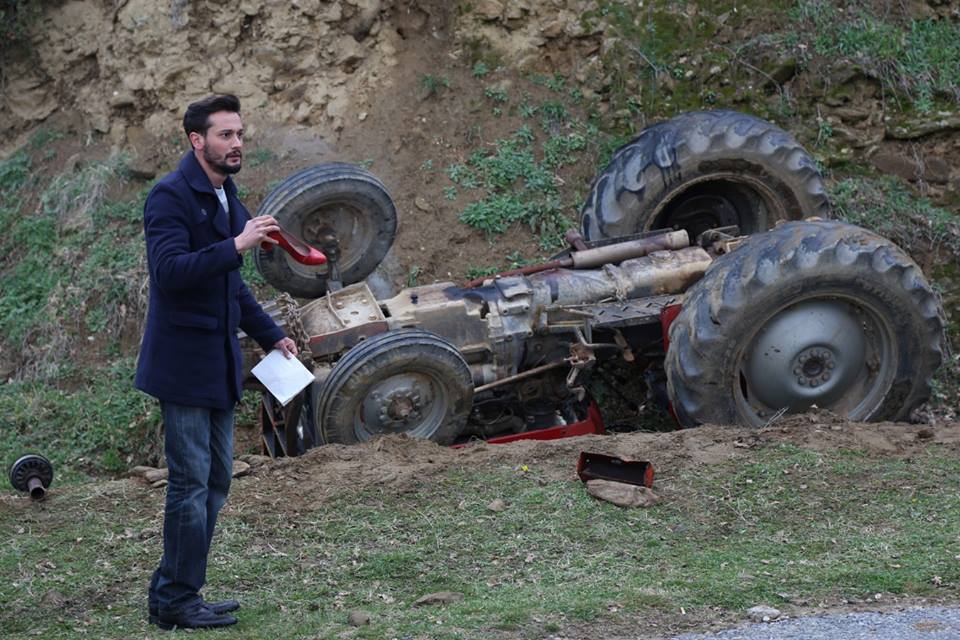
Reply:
x=76, y=404
x=791, y=528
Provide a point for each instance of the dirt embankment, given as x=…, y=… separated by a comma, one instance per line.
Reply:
x=345, y=80
x=403, y=463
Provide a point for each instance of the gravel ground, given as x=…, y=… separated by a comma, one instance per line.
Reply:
x=919, y=623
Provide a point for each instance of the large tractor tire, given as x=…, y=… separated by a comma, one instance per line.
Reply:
x=343, y=198
x=703, y=170
x=406, y=381
x=810, y=313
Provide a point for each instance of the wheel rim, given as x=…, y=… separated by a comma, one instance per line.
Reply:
x=349, y=222
x=411, y=402
x=836, y=353
x=720, y=199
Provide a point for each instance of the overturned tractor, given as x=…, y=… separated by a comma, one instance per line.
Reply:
x=692, y=267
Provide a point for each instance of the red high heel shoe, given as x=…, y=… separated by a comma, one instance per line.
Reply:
x=298, y=249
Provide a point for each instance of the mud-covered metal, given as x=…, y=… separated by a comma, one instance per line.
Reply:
x=511, y=331
x=32, y=474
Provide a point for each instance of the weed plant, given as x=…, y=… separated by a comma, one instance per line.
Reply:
x=787, y=525
x=71, y=274
x=916, y=59
x=519, y=177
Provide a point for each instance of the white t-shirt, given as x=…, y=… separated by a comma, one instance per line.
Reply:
x=222, y=195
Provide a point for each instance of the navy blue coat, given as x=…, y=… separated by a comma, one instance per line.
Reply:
x=190, y=353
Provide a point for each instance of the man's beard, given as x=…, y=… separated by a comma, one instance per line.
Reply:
x=221, y=166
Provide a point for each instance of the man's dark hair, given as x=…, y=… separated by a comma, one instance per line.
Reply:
x=197, y=116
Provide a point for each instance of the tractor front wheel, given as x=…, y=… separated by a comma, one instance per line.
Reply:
x=407, y=381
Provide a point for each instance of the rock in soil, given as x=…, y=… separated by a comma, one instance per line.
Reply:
x=621, y=494
x=441, y=597
x=240, y=468
x=763, y=613
x=140, y=470
x=156, y=475
x=358, y=618
x=497, y=505
x=255, y=460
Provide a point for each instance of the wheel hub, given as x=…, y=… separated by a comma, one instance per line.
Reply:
x=809, y=353
x=397, y=404
x=814, y=366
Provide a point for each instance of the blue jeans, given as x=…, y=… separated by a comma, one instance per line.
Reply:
x=198, y=444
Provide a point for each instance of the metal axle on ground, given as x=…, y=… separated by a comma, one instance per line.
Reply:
x=32, y=474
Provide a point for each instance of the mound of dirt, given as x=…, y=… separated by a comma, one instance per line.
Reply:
x=402, y=464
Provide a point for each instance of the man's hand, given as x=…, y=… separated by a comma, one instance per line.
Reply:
x=255, y=232
x=287, y=347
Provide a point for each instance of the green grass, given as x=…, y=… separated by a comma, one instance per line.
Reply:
x=519, y=178
x=100, y=425
x=918, y=59
x=434, y=84
x=789, y=524
x=888, y=207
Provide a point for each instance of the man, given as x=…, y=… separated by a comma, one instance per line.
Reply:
x=196, y=231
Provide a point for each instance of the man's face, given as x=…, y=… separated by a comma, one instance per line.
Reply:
x=222, y=146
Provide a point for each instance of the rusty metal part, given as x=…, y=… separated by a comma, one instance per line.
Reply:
x=625, y=349
x=721, y=240
x=592, y=345
x=522, y=271
x=575, y=240
x=286, y=430
x=290, y=311
x=600, y=466
x=661, y=272
x=330, y=246
x=520, y=376
x=32, y=474
x=615, y=253
x=598, y=256
x=341, y=319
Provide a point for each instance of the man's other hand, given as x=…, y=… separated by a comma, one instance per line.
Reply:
x=255, y=232
x=287, y=347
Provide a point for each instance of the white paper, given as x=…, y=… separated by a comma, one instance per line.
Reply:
x=282, y=377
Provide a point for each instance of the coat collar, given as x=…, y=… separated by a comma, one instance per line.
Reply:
x=197, y=178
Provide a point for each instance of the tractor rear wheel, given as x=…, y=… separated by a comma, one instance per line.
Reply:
x=344, y=199
x=407, y=381
x=810, y=313
x=703, y=170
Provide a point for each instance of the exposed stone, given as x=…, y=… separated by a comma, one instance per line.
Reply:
x=441, y=597
x=53, y=600
x=852, y=115
x=896, y=164
x=936, y=170
x=622, y=494
x=140, y=470
x=255, y=460
x=240, y=468
x=784, y=70
x=122, y=99
x=141, y=168
x=497, y=505
x=422, y=204
x=917, y=128
x=489, y=10
x=156, y=475
x=358, y=619
x=763, y=613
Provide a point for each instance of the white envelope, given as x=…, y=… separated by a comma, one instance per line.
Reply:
x=282, y=377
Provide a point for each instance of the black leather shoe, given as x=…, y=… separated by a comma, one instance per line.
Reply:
x=199, y=616
x=219, y=608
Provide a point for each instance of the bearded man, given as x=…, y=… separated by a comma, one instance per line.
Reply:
x=196, y=233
